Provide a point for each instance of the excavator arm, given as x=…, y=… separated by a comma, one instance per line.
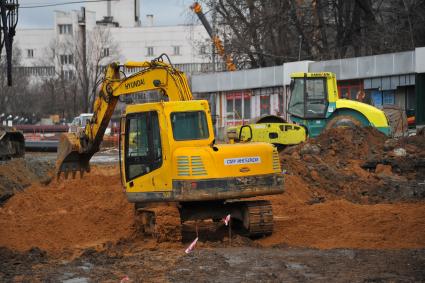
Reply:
x=76, y=149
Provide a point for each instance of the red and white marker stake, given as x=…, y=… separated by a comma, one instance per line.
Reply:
x=227, y=223
x=226, y=220
x=191, y=246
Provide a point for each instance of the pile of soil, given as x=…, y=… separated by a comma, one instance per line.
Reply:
x=335, y=197
x=71, y=215
x=67, y=218
x=341, y=191
x=360, y=165
x=18, y=174
x=338, y=223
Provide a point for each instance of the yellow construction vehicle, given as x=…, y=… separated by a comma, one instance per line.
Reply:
x=270, y=128
x=168, y=154
x=316, y=106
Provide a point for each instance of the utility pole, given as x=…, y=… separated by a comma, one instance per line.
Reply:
x=9, y=19
x=82, y=24
x=300, y=38
x=213, y=54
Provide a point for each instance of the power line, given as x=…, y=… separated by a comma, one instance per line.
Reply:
x=61, y=4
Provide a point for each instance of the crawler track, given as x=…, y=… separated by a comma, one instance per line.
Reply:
x=258, y=218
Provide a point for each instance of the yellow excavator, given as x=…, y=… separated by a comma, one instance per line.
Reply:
x=169, y=162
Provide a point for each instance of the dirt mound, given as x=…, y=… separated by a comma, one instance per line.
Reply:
x=73, y=214
x=335, y=198
x=343, y=163
x=350, y=143
x=93, y=213
x=17, y=174
x=299, y=221
x=343, y=189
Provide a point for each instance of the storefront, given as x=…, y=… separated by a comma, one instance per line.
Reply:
x=392, y=90
x=241, y=106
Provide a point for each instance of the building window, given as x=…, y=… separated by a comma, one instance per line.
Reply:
x=203, y=50
x=68, y=75
x=380, y=98
x=264, y=104
x=238, y=107
x=66, y=59
x=65, y=29
x=350, y=89
x=281, y=101
x=264, y=99
x=150, y=51
x=30, y=53
x=388, y=97
x=105, y=52
x=176, y=50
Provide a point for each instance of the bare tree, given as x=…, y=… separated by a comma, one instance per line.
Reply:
x=71, y=87
x=269, y=32
x=101, y=50
x=13, y=98
x=68, y=91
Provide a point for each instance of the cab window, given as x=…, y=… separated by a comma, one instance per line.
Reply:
x=308, y=98
x=189, y=125
x=316, y=98
x=296, y=104
x=143, y=144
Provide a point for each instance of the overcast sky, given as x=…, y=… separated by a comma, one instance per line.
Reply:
x=166, y=12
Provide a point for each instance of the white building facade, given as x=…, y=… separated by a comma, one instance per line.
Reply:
x=184, y=44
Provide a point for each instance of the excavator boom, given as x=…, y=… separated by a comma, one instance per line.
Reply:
x=76, y=149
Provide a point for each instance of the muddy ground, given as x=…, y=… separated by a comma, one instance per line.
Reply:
x=353, y=210
x=237, y=264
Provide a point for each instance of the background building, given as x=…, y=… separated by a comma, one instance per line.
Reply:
x=186, y=45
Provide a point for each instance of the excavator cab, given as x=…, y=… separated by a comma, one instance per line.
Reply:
x=145, y=143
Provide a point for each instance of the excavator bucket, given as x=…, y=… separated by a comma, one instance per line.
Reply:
x=70, y=158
